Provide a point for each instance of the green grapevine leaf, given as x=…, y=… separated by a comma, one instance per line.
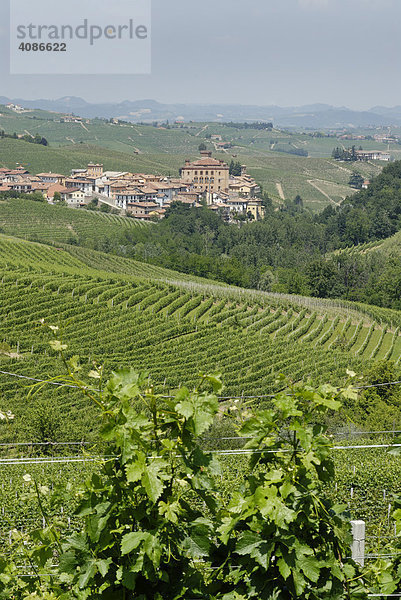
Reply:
x=131, y=541
x=152, y=482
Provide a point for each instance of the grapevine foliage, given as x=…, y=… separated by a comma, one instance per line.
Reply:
x=155, y=524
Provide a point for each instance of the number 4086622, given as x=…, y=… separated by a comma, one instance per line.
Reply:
x=42, y=47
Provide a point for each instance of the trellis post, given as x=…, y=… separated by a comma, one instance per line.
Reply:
x=358, y=543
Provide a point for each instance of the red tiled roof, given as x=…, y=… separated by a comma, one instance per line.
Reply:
x=41, y=185
x=56, y=187
x=71, y=190
x=144, y=204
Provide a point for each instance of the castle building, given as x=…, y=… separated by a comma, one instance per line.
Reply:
x=207, y=174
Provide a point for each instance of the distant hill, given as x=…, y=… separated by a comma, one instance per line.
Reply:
x=309, y=116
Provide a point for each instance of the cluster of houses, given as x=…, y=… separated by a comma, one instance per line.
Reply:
x=386, y=138
x=145, y=196
x=16, y=108
x=73, y=119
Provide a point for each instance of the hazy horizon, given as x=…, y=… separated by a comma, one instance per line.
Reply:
x=292, y=53
x=205, y=103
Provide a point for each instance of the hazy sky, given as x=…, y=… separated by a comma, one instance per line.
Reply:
x=286, y=52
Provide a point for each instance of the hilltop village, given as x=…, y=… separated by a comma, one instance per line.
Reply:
x=144, y=196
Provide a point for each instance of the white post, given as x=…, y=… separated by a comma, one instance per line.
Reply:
x=358, y=544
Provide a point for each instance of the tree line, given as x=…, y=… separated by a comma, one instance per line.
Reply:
x=37, y=139
x=259, y=125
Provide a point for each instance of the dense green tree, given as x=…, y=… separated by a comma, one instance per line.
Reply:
x=321, y=279
x=235, y=169
x=356, y=181
x=266, y=280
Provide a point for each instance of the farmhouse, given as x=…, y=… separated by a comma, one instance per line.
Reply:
x=366, y=155
x=74, y=196
x=71, y=119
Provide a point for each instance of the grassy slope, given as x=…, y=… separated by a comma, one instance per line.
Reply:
x=38, y=158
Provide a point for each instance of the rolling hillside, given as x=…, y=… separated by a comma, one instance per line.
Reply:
x=170, y=325
x=59, y=224
x=39, y=159
x=269, y=154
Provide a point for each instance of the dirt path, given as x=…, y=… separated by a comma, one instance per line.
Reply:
x=137, y=131
x=380, y=169
x=134, y=147
x=86, y=129
x=219, y=149
x=341, y=168
x=280, y=191
x=199, y=132
x=313, y=184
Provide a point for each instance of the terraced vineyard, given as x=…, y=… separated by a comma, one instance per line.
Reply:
x=59, y=224
x=169, y=325
x=40, y=159
x=389, y=246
